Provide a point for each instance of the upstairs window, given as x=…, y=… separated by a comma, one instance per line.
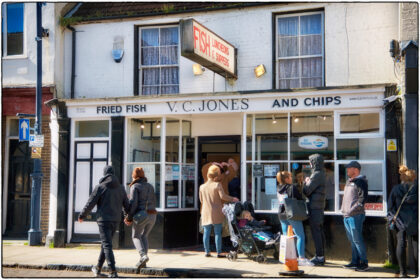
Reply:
x=300, y=50
x=12, y=29
x=159, y=60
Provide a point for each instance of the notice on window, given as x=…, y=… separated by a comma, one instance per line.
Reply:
x=257, y=170
x=172, y=201
x=150, y=173
x=175, y=172
x=188, y=172
x=270, y=186
x=270, y=170
x=274, y=204
x=168, y=173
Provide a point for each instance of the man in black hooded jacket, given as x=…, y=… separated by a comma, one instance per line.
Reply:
x=109, y=197
x=314, y=189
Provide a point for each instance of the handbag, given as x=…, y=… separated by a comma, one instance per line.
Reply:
x=393, y=220
x=295, y=209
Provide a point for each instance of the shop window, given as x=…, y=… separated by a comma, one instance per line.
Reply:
x=159, y=60
x=361, y=149
x=300, y=50
x=311, y=133
x=12, y=28
x=144, y=140
x=359, y=123
x=271, y=137
x=92, y=128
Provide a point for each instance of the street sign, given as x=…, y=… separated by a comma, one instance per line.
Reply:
x=36, y=152
x=23, y=129
x=36, y=141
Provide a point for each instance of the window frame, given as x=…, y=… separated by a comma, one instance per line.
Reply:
x=276, y=39
x=139, y=66
x=5, y=55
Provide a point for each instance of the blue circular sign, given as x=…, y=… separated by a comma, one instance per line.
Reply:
x=295, y=166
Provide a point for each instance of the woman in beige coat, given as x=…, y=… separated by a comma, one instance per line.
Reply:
x=211, y=196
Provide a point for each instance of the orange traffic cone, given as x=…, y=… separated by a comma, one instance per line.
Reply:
x=291, y=263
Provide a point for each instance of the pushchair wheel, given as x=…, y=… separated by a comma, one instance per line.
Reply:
x=276, y=255
x=232, y=256
x=260, y=259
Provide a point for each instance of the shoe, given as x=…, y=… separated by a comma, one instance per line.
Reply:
x=96, y=271
x=350, y=266
x=318, y=261
x=403, y=275
x=142, y=262
x=304, y=262
x=207, y=255
x=221, y=256
x=362, y=267
x=113, y=274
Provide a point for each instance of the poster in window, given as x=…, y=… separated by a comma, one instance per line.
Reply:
x=150, y=173
x=270, y=186
x=175, y=172
x=274, y=204
x=168, y=173
x=172, y=201
x=270, y=170
x=258, y=170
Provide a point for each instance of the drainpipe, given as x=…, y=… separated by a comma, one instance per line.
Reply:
x=73, y=60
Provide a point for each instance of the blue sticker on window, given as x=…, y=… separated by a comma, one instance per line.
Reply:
x=295, y=166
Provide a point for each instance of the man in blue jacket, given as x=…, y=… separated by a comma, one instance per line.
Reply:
x=314, y=190
x=109, y=197
x=353, y=209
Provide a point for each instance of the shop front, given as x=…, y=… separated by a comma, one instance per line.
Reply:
x=171, y=137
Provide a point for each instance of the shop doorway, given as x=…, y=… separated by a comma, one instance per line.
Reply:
x=218, y=149
x=19, y=189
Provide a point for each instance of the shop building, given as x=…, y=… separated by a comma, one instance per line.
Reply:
x=130, y=98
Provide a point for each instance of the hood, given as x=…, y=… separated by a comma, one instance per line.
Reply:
x=109, y=181
x=360, y=177
x=317, y=161
x=108, y=169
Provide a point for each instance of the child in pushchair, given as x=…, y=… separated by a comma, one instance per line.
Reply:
x=248, y=235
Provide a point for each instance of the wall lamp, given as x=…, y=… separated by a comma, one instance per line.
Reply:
x=259, y=70
x=198, y=69
x=118, y=49
x=394, y=50
x=274, y=119
x=142, y=125
x=158, y=125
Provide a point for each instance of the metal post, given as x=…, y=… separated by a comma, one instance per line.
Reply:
x=34, y=234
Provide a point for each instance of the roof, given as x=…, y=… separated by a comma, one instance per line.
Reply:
x=93, y=11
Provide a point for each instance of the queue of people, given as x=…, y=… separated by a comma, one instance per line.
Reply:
x=110, y=197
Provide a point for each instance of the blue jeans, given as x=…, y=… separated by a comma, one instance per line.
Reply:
x=300, y=233
x=217, y=236
x=354, y=227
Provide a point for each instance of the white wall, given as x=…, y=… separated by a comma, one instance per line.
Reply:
x=357, y=39
x=20, y=70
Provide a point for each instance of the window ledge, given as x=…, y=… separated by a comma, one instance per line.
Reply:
x=13, y=57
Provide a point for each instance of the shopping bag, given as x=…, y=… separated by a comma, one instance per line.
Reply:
x=287, y=248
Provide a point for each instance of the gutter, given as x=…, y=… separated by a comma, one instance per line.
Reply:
x=73, y=60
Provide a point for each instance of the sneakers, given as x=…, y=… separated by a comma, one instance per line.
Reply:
x=142, y=262
x=97, y=271
x=350, y=266
x=304, y=262
x=318, y=261
x=362, y=267
x=113, y=274
x=207, y=255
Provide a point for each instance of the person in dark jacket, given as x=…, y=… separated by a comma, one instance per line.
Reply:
x=314, y=190
x=142, y=197
x=408, y=215
x=285, y=189
x=109, y=197
x=353, y=209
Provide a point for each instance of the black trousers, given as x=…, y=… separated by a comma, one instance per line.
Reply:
x=401, y=250
x=316, y=222
x=106, y=232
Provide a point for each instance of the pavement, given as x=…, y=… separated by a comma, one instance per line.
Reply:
x=169, y=263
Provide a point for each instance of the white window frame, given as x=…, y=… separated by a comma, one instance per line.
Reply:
x=140, y=72
x=4, y=34
x=299, y=56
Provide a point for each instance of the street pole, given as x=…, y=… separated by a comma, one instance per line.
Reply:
x=34, y=233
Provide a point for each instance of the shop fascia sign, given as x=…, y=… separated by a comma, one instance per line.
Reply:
x=313, y=142
x=203, y=46
x=249, y=103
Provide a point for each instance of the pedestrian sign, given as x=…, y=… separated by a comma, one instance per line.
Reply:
x=23, y=129
x=391, y=145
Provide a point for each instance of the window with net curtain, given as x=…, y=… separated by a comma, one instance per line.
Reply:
x=300, y=50
x=159, y=71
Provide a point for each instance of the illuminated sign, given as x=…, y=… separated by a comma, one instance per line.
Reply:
x=313, y=142
x=208, y=49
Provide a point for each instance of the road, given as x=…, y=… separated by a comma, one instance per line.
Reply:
x=43, y=273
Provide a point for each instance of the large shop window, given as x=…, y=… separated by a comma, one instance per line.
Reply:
x=12, y=28
x=159, y=60
x=285, y=141
x=144, y=150
x=300, y=50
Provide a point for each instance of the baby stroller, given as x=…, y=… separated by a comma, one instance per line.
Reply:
x=248, y=240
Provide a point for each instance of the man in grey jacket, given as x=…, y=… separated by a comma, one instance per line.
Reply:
x=109, y=197
x=314, y=190
x=353, y=209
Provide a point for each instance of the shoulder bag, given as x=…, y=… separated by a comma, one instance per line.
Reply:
x=141, y=216
x=296, y=210
x=393, y=220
